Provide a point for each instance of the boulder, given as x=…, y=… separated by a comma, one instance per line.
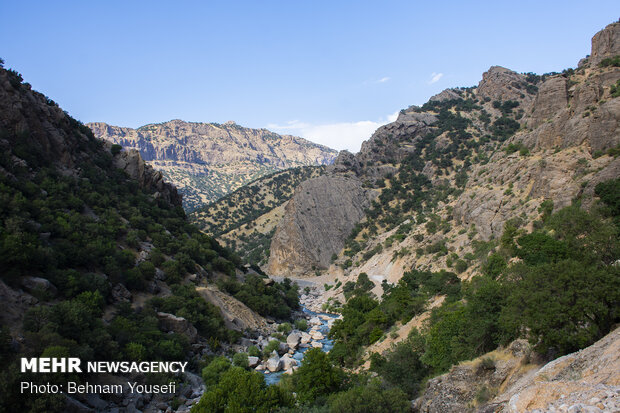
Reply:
x=179, y=325
x=288, y=362
x=282, y=348
x=315, y=321
x=120, y=293
x=317, y=344
x=293, y=339
x=316, y=335
x=305, y=338
x=274, y=363
x=32, y=284
x=253, y=361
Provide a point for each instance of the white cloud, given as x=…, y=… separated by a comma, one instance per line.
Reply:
x=435, y=78
x=383, y=79
x=341, y=135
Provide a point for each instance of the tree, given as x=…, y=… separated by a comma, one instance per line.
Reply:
x=316, y=377
x=564, y=306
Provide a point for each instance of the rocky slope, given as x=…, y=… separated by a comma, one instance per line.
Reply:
x=491, y=153
x=207, y=160
x=512, y=381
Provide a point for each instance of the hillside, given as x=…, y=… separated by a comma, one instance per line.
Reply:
x=98, y=261
x=208, y=160
x=245, y=219
x=490, y=214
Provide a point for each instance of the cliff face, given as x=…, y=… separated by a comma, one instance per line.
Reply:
x=207, y=160
x=317, y=220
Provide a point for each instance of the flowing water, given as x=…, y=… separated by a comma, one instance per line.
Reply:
x=273, y=378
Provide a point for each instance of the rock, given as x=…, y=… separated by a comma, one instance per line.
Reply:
x=120, y=293
x=148, y=178
x=235, y=154
x=316, y=335
x=293, y=339
x=305, y=338
x=259, y=367
x=159, y=274
x=499, y=83
x=37, y=284
x=253, y=361
x=288, y=362
x=316, y=344
x=316, y=222
x=75, y=406
x=551, y=98
x=282, y=348
x=170, y=322
x=268, y=282
x=605, y=43
x=447, y=94
x=274, y=363
x=315, y=321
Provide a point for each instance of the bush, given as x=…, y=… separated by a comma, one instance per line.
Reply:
x=301, y=324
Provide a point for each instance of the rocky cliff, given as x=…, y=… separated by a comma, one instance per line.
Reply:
x=316, y=222
x=207, y=160
x=490, y=153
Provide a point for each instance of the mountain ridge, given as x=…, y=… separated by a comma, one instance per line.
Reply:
x=209, y=160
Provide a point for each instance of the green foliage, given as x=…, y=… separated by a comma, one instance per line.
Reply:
x=116, y=149
x=240, y=360
x=240, y=390
x=277, y=300
x=301, y=324
x=213, y=371
x=285, y=328
x=402, y=366
x=615, y=89
x=316, y=378
x=610, y=62
x=187, y=303
x=369, y=398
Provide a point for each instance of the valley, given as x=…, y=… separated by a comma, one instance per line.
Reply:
x=465, y=259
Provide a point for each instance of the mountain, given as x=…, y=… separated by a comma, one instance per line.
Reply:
x=466, y=162
x=208, y=160
x=98, y=261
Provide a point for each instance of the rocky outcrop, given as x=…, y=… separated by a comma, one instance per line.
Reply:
x=179, y=325
x=505, y=381
x=499, y=83
x=551, y=98
x=605, y=43
x=148, y=178
x=208, y=160
x=237, y=315
x=317, y=220
x=586, y=381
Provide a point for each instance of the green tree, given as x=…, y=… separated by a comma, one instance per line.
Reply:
x=317, y=377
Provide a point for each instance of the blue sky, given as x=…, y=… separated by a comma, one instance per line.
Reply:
x=331, y=71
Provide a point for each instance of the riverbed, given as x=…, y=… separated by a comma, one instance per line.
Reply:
x=274, y=378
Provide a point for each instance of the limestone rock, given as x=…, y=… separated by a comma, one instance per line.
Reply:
x=499, y=83
x=185, y=150
x=274, y=363
x=293, y=339
x=551, y=98
x=317, y=220
x=605, y=43
x=253, y=361
x=170, y=322
x=34, y=284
